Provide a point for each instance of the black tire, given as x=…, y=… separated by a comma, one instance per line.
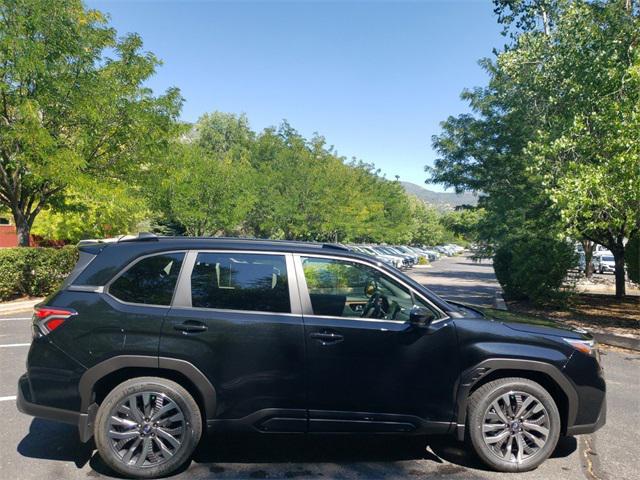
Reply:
x=160, y=436
x=521, y=451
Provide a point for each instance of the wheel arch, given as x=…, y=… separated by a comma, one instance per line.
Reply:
x=547, y=375
x=98, y=380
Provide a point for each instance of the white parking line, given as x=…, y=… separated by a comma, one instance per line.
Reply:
x=15, y=345
x=11, y=319
x=6, y=399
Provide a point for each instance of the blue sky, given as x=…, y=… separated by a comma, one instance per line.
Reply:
x=375, y=78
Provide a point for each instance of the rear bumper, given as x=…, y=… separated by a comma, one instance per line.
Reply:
x=84, y=421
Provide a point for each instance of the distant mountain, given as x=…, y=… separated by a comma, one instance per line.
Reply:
x=440, y=200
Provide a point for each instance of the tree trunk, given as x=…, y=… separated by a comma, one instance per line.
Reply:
x=618, y=256
x=23, y=229
x=587, y=246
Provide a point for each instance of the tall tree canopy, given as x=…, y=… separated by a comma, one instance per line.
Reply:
x=554, y=138
x=72, y=105
x=223, y=178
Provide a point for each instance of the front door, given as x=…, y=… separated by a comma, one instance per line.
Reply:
x=368, y=368
x=236, y=317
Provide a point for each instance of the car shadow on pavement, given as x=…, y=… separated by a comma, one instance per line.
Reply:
x=55, y=441
x=249, y=456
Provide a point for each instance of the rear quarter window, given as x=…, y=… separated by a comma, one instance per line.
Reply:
x=150, y=281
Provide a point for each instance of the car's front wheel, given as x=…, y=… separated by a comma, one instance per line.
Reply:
x=147, y=427
x=514, y=424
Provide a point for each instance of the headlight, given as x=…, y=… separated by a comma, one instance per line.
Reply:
x=590, y=347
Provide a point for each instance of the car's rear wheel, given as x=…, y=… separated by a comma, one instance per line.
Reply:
x=514, y=424
x=147, y=427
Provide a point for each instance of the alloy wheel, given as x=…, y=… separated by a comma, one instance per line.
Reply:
x=146, y=429
x=515, y=426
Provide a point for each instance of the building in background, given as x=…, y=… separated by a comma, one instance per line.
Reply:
x=8, y=235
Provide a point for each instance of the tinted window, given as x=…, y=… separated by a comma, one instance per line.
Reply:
x=240, y=282
x=150, y=281
x=341, y=288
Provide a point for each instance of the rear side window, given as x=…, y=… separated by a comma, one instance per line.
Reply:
x=150, y=281
x=240, y=282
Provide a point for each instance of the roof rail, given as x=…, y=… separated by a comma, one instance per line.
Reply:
x=142, y=236
x=334, y=246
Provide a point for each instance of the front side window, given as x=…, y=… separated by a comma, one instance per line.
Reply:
x=150, y=281
x=340, y=288
x=240, y=281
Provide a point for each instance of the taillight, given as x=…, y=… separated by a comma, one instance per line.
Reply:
x=47, y=319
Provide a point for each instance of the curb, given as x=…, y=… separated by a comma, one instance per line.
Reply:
x=616, y=340
x=19, y=306
x=498, y=302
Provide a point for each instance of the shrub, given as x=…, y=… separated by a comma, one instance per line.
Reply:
x=34, y=271
x=632, y=257
x=533, y=268
x=12, y=268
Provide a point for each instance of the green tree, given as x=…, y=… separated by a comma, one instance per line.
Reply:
x=582, y=81
x=426, y=225
x=93, y=209
x=222, y=133
x=307, y=192
x=464, y=222
x=72, y=104
x=207, y=194
x=553, y=142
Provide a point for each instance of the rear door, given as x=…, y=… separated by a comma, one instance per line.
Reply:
x=236, y=317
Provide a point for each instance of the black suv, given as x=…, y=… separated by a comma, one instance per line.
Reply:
x=152, y=340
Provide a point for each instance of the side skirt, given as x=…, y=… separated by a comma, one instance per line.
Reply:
x=328, y=422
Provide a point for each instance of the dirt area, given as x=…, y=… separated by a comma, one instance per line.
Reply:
x=593, y=311
x=599, y=283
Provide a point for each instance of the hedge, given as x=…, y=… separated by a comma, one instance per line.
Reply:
x=533, y=268
x=632, y=257
x=34, y=272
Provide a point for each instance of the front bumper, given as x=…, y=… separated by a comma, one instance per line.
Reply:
x=587, y=376
x=84, y=421
x=591, y=427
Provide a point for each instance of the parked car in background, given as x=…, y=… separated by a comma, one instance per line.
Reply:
x=394, y=261
x=431, y=251
x=605, y=262
x=444, y=250
x=386, y=250
x=582, y=262
x=455, y=248
x=431, y=256
x=407, y=251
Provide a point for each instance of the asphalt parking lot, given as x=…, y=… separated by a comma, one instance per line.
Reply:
x=36, y=449
x=460, y=279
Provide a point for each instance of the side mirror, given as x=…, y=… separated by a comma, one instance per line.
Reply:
x=420, y=316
